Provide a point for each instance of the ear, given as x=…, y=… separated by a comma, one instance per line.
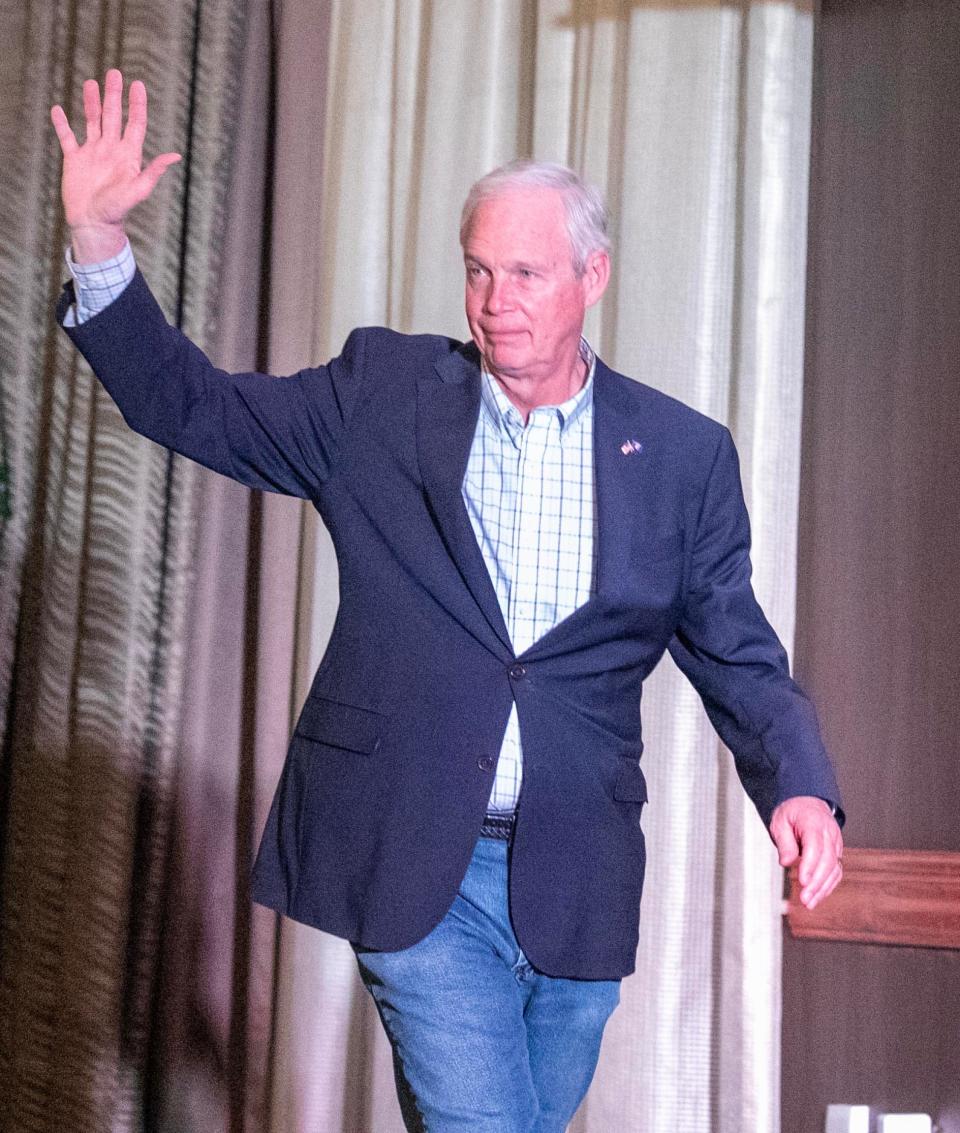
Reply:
x=595, y=278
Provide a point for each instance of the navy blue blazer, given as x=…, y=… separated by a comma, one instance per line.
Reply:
x=393, y=756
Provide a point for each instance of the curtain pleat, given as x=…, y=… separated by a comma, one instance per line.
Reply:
x=96, y=560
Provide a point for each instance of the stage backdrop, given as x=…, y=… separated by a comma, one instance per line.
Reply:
x=96, y=557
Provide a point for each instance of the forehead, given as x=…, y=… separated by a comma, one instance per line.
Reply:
x=519, y=222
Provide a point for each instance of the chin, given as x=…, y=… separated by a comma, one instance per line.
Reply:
x=507, y=358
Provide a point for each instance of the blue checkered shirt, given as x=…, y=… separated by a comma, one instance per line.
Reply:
x=97, y=285
x=529, y=492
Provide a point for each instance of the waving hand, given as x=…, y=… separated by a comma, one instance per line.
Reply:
x=104, y=178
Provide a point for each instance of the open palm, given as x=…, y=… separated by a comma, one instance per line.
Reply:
x=104, y=178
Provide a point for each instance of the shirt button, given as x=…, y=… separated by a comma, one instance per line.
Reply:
x=517, y=671
x=485, y=763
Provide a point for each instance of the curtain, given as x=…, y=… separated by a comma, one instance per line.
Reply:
x=97, y=551
x=694, y=117
x=244, y=647
x=158, y=625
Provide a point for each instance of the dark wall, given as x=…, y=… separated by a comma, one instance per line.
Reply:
x=878, y=641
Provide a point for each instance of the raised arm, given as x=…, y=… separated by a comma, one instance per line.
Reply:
x=277, y=434
x=104, y=178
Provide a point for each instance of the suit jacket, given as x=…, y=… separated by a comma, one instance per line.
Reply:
x=392, y=760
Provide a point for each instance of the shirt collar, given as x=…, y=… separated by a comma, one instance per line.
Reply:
x=506, y=416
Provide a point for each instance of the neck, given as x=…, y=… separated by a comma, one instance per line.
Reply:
x=527, y=393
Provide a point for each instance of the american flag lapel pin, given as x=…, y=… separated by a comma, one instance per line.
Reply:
x=630, y=447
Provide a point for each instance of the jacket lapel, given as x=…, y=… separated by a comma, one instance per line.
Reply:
x=625, y=494
x=622, y=474
x=447, y=411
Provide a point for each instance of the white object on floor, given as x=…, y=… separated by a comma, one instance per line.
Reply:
x=848, y=1119
x=905, y=1123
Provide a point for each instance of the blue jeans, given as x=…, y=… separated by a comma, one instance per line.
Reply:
x=482, y=1042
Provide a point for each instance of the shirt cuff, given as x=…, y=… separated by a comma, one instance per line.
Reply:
x=95, y=286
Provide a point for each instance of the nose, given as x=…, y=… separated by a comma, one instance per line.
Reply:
x=497, y=297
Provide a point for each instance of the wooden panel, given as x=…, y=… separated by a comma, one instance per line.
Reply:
x=906, y=897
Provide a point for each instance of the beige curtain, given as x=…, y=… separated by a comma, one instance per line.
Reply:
x=96, y=560
x=694, y=117
x=219, y=1018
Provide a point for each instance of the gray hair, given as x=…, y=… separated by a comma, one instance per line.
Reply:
x=587, y=216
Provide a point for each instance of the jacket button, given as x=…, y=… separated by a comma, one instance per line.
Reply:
x=485, y=763
x=517, y=671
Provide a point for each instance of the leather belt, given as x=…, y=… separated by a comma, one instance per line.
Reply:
x=499, y=826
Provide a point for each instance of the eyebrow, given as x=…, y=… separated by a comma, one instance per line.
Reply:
x=513, y=265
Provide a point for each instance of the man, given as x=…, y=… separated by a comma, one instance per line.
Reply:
x=521, y=533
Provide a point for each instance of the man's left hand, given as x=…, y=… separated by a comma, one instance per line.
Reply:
x=804, y=827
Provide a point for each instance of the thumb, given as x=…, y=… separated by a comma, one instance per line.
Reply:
x=147, y=180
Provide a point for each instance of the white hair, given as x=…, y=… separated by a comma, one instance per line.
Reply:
x=587, y=216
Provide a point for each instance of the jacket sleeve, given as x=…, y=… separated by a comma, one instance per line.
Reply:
x=277, y=434
x=730, y=653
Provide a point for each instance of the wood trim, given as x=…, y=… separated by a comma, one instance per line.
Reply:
x=904, y=897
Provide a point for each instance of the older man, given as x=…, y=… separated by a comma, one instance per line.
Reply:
x=521, y=534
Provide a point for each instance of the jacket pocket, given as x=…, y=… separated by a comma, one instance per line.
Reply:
x=630, y=787
x=341, y=725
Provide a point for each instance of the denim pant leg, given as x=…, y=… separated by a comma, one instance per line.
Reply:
x=565, y=1021
x=481, y=1042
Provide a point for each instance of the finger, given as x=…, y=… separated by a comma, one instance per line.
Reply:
x=819, y=870
x=147, y=180
x=112, y=104
x=825, y=850
x=787, y=847
x=92, y=109
x=136, y=128
x=68, y=141
x=811, y=897
x=812, y=849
